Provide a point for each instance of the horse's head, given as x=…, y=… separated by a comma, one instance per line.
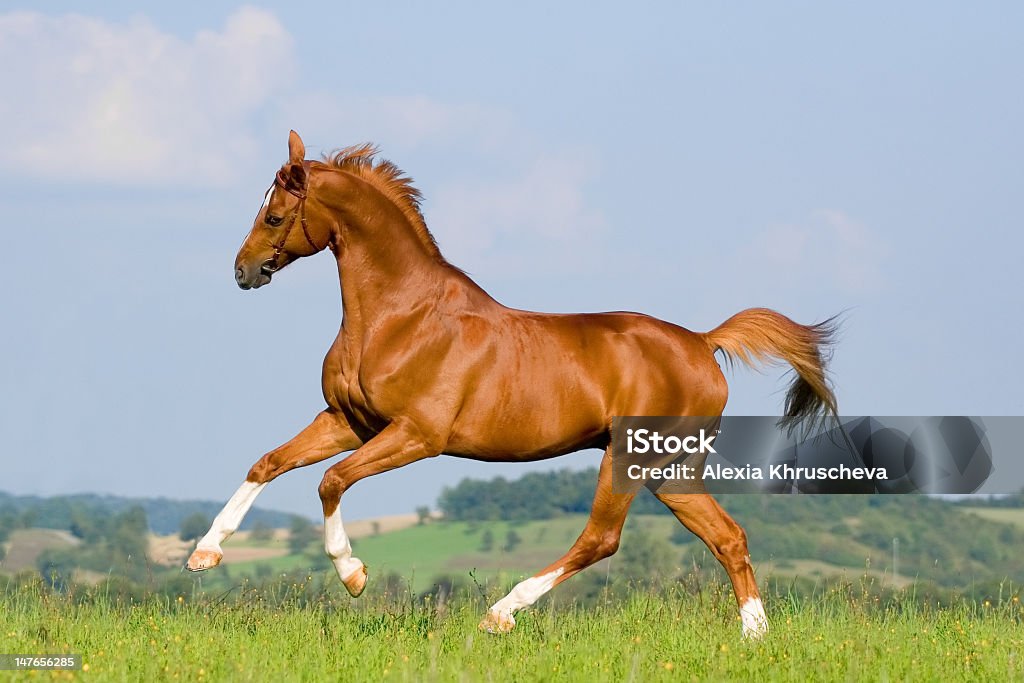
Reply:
x=281, y=233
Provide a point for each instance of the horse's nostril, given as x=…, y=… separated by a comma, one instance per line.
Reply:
x=239, y=275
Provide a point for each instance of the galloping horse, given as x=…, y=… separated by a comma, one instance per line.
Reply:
x=427, y=363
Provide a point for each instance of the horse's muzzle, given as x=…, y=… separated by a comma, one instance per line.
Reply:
x=254, y=278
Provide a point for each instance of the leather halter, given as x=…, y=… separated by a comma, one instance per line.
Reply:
x=281, y=181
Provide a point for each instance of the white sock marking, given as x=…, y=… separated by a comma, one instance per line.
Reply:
x=755, y=623
x=526, y=593
x=338, y=547
x=227, y=521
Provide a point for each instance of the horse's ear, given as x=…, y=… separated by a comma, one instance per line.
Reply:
x=296, y=150
x=296, y=173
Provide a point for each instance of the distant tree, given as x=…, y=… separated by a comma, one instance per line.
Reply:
x=512, y=541
x=375, y=525
x=423, y=514
x=84, y=526
x=644, y=556
x=8, y=522
x=56, y=567
x=261, y=532
x=536, y=495
x=487, y=541
x=194, y=526
x=300, y=534
x=681, y=535
x=28, y=518
x=129, y=535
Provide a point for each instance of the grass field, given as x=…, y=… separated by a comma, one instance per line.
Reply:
x=647, y=636
x=422, y=553
x=1013, y=516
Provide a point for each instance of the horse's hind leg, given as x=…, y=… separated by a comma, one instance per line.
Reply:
x=328, y=435
x=599, y=540
x=702, y=515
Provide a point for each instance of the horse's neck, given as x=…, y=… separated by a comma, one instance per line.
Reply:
x=386, y=265
x=386, y=276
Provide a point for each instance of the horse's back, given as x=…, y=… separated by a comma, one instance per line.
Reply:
x=657, y=367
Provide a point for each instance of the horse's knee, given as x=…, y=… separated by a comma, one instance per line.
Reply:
x=269, y=467
x=262, y=472
x=330, y=489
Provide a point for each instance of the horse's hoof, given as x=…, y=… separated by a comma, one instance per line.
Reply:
x=496, y=622
x=355, y=583
x=202, y=559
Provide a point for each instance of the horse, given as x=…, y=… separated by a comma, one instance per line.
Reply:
x=427, y=363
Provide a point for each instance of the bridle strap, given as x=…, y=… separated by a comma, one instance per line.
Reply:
x=281, y=181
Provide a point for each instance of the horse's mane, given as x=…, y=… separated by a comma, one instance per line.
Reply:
x=389, y=180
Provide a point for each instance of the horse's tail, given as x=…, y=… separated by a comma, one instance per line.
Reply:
x=762, y=336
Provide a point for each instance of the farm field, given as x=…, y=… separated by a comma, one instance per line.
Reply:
x=421, y=553
x=1014, y=516
x=648, y=636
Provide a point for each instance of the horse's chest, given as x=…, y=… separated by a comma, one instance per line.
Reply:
x=340, y=373
x=344, y=391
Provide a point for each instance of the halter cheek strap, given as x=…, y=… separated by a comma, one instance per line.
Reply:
x=281, y=181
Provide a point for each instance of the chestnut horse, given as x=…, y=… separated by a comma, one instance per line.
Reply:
x=427, y=363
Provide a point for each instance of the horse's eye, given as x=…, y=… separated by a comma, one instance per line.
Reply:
x=273, y=220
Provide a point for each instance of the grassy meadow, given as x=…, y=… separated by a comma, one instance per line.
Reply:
x=301, y=632
x=660, y=609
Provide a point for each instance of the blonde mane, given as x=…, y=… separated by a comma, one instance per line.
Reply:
x=361, y=160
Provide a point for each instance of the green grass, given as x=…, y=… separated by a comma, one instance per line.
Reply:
x=647, y=636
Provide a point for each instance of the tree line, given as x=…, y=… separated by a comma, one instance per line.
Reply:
x=535, y=495
x=163, y=515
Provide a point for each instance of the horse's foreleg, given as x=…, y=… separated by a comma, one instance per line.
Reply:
x=397, y=445
x=702, y=515
x=328, y=435
x=599, y=540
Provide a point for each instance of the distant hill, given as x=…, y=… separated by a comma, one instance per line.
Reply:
x=948, y=543
x=163, y=514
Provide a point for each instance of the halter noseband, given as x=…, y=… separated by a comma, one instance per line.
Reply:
x=281, y=181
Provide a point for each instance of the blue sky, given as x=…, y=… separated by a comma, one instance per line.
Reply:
x=682, y=160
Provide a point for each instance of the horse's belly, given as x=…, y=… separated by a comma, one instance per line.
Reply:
x=530, y=428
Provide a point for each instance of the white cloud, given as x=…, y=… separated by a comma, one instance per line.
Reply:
x=828, y=249
x=498, y=199
x=130, y=104
x=529, y=219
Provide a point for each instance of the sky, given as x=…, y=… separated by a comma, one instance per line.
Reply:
x=680, y=159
